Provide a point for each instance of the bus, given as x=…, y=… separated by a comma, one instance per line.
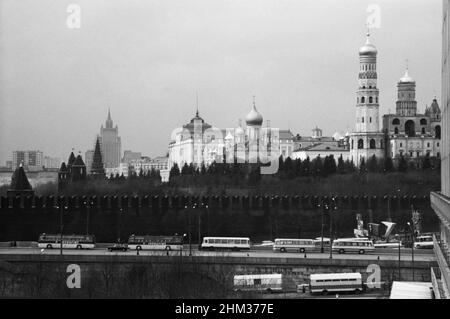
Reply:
x=359, y=245
x=424, y=241
x=233, y=243
x=148, y=242
x=261, y=282
x=297, y=245
x=68, y=241
x=337, y=282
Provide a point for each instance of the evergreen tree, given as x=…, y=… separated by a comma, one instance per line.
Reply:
x=372, y=165
x=203, y=169
x=185, y=169
x=317, y=166
x=388, y=165
x=362, y=166
x=341, y=165
x=307, y=167
x=402, y=164
x=174, y=171
x=426, y=162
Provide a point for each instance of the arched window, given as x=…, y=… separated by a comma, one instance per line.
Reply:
x=376, y=99
x=396, y=130
x=410, y=129
x=370, y=99
x=423, y=122
x=360, y=144
x=423, y=130
x=363, y=99
x=372, y=144
x=395, y=121
x=370, y=119
x=437, y=131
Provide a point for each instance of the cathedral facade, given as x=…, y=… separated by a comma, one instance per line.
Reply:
x=410, y=133
x=199, y=143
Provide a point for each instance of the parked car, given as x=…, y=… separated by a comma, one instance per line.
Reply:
x=120, y=247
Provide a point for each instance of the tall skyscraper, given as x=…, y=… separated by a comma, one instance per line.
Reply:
x=110, y=144
x=367, y=139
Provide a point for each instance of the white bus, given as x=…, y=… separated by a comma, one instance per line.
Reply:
x=383, y=244
x=359, y=245
x=50, y=241
x=148, y=242
x=297, y=245
x=424, y=241
x=264, y=282
x=233, y=243
x=337, y=282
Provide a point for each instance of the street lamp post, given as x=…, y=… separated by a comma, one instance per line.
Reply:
x=61, y=227
x=88, y=204
x=331, y=230
x=321, y=236
x=399, y=250
x=189, y=231
x=412, y=247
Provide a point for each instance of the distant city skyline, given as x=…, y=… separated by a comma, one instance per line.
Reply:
x=145, y=61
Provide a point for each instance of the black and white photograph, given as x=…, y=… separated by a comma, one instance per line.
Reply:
x=225, y=155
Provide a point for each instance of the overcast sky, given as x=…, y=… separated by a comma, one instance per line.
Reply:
x=145, y=60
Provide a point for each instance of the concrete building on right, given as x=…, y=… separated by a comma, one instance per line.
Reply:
x=440, y=201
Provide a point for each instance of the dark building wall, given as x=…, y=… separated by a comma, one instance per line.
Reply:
x=258, y=217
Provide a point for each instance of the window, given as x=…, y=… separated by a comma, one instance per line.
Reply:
x=362, y=119
x=360, y=144
x=410, y=128
x=352, y=144
x=396, y=130
x=362, y=98
x=372, y=144
x=396, y=122
x=257, y=281
x=423, y=130
x=370, y=119
x=381, y=143
x=428, y=144
x=423, y=122
x=370, y=99
x=437, y=131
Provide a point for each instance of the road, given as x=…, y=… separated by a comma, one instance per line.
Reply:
x=422, y=255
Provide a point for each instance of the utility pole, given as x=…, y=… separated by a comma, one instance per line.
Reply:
x=61, y=227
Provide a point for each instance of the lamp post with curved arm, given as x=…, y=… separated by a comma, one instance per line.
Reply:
x=412, y=247
x=61, y=226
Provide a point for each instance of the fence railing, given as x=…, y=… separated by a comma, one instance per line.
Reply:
x=443, y=266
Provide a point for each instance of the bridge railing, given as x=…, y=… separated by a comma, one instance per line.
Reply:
x=443, y=265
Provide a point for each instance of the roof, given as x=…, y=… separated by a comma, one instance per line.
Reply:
x=286, y=134
x=78, y=161
x=19, y=180
x=354, y=275
x=323, y=148
x=411, y=290
x=258, y=276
